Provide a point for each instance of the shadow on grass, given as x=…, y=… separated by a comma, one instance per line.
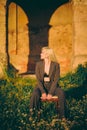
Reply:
x=76, y=93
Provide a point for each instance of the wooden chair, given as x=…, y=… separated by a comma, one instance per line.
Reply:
x=53, y=99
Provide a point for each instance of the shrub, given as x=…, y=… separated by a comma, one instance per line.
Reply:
x=15, y=92
x=75, y=79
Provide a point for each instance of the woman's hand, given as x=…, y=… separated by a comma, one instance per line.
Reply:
x=44, y=96
x=49, y=96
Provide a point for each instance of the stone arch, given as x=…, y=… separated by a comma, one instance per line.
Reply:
x=38, y=26
x=61, y=35
x=18, y=41
x=17, y=29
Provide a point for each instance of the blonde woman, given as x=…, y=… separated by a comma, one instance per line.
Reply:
x=48, y=74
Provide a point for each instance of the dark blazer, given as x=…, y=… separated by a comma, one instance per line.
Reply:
x=54, y=75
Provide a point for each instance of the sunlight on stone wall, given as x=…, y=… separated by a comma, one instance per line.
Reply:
x=60, y=36
x=18, y=38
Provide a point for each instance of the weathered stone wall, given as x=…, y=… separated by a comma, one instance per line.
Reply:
x=67, y=36
x=3, y=55
x=60, y=36
x=80, y=32
x=18, y=43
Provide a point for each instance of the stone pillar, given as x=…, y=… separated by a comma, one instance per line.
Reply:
x=3, y=55
x=80, y=32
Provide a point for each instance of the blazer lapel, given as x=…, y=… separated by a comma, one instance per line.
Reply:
x=42, y=69
x=51, y=69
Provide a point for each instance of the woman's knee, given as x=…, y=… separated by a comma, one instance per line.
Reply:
x=36, y=92
x=59, y=91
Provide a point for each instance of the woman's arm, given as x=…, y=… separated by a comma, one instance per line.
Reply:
x=55, y=78
x=39, y=77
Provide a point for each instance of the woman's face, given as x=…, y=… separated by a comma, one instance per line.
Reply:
x=44, y=54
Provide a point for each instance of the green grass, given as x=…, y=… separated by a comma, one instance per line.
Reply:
x=15, y=93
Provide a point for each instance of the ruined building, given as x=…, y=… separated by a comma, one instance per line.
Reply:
x=28, y=25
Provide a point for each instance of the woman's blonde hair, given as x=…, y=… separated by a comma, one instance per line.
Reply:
x=50, y=53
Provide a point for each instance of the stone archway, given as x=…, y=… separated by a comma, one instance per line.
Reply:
x=18, y=40
x=61, y=34
x=79, y=37
x=37, y=33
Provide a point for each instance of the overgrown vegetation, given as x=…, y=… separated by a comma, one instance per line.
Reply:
x=15, y=92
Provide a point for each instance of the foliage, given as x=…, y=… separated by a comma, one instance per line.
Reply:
x=15, y=92
x=78, y=113
x=76, y=78
x=75, y=83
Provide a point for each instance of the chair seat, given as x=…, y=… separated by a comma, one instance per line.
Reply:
x=53, y=99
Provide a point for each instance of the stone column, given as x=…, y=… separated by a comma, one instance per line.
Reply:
x=80, y=32
x=3, y=55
